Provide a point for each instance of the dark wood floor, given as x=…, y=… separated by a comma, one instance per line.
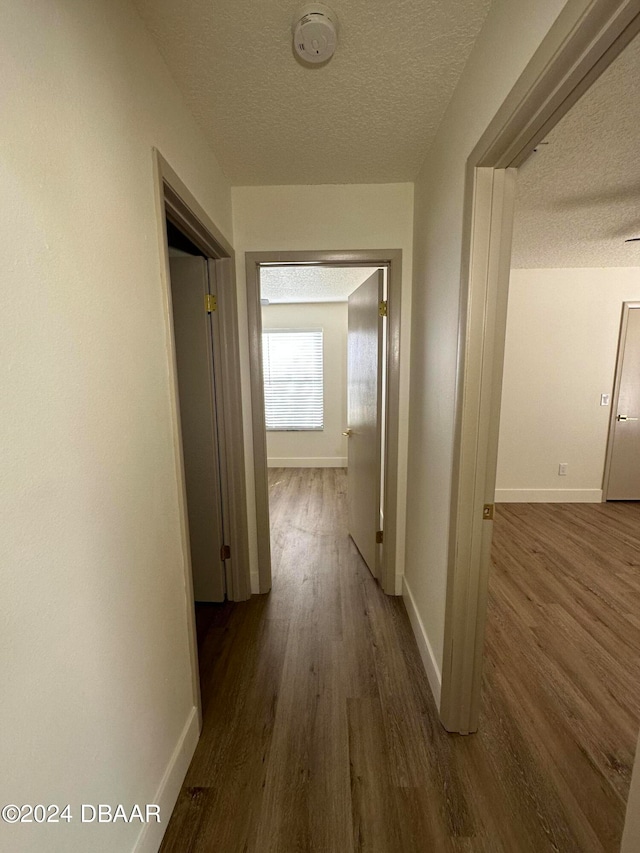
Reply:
x=320, y=733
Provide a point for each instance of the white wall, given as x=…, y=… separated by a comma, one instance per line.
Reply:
x=562, y=339
x=326, y=448
x=361, y=216
x=96, y=687
x=512, y=32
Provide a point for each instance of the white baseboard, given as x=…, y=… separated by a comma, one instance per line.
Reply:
x=151, y=835
x=424, y=646
x=549, y=496
x=307, y=462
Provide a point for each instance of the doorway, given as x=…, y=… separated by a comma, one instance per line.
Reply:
x=575, y=52
x=491, y=196
x=381, y=441
x=204, y=274
x=561, y=642
x=621, y=480
x=195, y=331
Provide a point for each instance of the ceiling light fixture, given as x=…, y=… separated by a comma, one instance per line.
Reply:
x=315, y=32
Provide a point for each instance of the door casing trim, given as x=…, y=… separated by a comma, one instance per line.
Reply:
x=392, y=258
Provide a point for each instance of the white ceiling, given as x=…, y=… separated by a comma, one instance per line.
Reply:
x=310, y=283
x=367, y=116
x=579, y=196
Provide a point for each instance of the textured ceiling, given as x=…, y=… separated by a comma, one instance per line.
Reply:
x=367, y=116
x=579, y=196
x=310, y=284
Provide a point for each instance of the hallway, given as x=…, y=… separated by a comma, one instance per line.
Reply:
x=320, y=732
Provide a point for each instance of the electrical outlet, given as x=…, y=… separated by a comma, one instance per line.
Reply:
x=562, y=469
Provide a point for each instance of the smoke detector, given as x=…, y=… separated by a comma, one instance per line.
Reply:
x=315, y=32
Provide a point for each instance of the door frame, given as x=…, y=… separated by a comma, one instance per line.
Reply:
x=175, y=202
x=392, y=259
x=622, y=340
x=584, y=40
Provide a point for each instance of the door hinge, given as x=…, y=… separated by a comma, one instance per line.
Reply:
x=210, y=302
x=379, y=537
x=382, y=308
x=225, y=552
x=487, y=512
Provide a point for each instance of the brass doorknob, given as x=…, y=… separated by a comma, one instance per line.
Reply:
x=348, y=432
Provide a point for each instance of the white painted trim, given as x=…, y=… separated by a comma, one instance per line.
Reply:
x=483, y=319
x=307, y=462
x=549, y=496
x=166, y=796
x=424, y=646
x=159, y=167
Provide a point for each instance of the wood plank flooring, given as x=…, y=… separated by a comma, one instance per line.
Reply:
x=320, y=732
x=563, y=643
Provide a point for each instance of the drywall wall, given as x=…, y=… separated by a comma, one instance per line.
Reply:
x=331, y=217
x=326, y=448
x=96, y=687
x=560, y=356
x=511, y=34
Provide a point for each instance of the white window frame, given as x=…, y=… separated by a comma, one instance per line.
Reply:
x=297, y=422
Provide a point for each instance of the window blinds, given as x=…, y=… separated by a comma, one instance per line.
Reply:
x=293, y=381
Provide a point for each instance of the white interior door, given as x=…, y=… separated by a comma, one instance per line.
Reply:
x=624, y=465
x=364, y=412
x=194, y=356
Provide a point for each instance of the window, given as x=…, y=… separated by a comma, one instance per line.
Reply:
x=293, y=381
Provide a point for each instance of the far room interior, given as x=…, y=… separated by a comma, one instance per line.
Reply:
x=307, y=313
x=562, y=628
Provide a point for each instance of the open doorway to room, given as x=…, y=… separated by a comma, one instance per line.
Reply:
x=562, y=650
x=325, y=395
x=324, y=379
x=197, y=274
